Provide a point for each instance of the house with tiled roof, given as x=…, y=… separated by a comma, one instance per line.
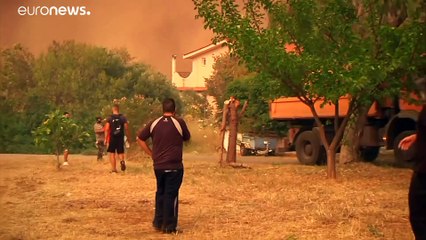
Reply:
x=202, y=67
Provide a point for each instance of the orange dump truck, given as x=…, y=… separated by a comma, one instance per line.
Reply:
x=386, y=126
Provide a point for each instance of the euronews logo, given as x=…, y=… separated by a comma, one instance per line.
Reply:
x=53, y=11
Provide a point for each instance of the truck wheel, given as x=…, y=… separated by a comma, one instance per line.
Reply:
x=369, y=154
x=308, y=148
x=243, y=150
x=401, y=156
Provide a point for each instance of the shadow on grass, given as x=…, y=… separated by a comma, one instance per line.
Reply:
x=393, y=164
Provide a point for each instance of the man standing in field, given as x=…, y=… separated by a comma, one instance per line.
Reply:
x=417, y=191
x=115, y=129
x=100, y=137
x=168, y=134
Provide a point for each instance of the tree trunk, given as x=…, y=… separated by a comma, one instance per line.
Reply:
x=330, y=151
x=349, y=151
x=331, y=162
x=231, y=156
x=331, y=147
x=352, y=136
x=350, y=142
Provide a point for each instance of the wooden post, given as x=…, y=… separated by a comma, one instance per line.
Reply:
x=223, y=129
x=230, y=116
x=231, y=156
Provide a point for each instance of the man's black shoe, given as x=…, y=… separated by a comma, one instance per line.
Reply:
x=172, y=231
x=157, y=228
x=123, y=165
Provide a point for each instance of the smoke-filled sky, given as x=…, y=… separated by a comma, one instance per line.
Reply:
x=151, y=30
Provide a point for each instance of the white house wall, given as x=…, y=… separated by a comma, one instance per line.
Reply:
x=202, y=68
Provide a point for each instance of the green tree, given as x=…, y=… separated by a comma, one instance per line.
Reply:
x=84, y=79
x=16, y=100
x=256, y=117
x=154, y=85
x=196, y=104
x=305, y=47
x=16, y=74
x=57, y=133
x=394, y=14
x=79, y=78
x=226, y=69
x=232, y=78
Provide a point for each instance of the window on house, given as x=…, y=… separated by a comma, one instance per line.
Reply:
x=204, y=61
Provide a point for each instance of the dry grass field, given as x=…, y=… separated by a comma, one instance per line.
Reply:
x=275, y=199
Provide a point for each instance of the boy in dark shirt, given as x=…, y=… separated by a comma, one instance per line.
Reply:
x=116, y=128
x=168, y=134
x=417, y=192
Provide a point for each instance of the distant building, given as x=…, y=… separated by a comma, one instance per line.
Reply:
x=202, y=67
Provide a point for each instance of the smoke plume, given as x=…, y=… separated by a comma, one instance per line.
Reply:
x=151, y=30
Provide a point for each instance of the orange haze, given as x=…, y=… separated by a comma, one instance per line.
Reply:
x=151, y=30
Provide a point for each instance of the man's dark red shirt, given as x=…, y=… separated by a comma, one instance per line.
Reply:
x=167, y=142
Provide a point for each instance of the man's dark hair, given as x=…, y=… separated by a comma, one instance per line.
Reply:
x=65, y=113
x=169, y=105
